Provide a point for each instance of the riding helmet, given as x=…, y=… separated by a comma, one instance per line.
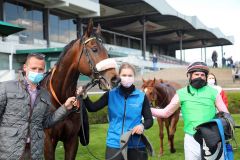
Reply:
x=198, y=67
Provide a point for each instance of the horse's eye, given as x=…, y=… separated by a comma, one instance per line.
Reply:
x=94, y=49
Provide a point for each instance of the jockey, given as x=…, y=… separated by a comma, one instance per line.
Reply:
x=198, y=102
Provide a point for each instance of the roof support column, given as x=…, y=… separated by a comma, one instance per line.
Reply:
x=144, y=38
x=79, y=27
x=205, y=50
x=180, y=36
x=46, y=26
x=129, y=43
x=114, y=39
x=205, y=54
x=201, y=54
x=1, y=10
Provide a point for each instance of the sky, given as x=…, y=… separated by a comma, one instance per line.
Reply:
x=222, y=14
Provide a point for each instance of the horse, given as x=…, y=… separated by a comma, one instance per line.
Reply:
x=160, y=93
x=80, y=56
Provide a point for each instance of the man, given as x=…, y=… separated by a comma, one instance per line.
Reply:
x=154, y=60
x=198, y=103
x=25, y=112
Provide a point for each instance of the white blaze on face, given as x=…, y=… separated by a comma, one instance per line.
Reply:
x=145, y=90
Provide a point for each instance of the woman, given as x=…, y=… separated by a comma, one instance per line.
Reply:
x=126, y=107
x=212, y=81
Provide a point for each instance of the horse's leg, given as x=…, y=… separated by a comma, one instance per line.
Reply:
x=167, y=123
x=71, y=147
x=161, y=135
x=173, y=127
x=49, y=147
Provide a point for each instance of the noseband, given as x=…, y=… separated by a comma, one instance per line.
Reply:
x=96, y=76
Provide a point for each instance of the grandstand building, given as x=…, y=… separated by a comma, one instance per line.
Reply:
x=133, y=29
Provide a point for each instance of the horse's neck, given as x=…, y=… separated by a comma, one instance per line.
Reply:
x=64, y=82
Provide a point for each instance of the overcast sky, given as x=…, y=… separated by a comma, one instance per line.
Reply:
x=223, y=14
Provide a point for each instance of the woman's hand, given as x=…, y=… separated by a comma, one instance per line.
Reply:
x=138, y=129
x=81, y=91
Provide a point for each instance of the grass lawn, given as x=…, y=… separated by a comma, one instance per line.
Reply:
x=98, y=135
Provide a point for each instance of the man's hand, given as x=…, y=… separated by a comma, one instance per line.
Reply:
x=70, y=102
x=138, y=129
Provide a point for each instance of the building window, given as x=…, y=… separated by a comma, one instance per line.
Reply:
x=122, y=41
x=108, y=37
x=135, y=44
x=62, y=28
x=26, y=16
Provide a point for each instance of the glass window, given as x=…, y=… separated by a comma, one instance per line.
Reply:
x=108, y=37
x=62, y=28
x=53, y=30
x=122, y=41
x=26, y=16
x=135, y=44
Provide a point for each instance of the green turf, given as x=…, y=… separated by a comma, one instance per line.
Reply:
x=98, y=135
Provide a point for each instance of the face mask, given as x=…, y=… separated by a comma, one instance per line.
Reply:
x=211, y=82
x=198, y=83
x=127, y=81
x=35, y=77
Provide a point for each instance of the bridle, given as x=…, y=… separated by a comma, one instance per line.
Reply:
x=164, y=99
x=96, y=76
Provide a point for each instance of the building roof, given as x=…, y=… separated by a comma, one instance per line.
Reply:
x=163, y=24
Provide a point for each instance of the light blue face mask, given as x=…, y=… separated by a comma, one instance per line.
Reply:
x=35, y=77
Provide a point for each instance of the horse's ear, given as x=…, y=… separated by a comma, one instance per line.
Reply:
x=143, y=80
x=89, y=28
x=98, y=31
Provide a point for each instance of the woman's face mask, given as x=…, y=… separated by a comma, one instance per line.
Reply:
x=127, y=81
x=211, y=81
x=127, y=77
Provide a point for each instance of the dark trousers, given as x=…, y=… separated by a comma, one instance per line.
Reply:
x=132, y=153
x=27, y=153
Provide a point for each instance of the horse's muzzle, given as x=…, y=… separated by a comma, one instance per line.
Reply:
x=115, y=81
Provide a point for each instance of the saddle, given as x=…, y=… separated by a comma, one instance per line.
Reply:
x=209, y=137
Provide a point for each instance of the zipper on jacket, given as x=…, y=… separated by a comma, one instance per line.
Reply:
x=124, y=113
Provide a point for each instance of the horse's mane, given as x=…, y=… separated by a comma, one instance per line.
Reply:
x=65, y=50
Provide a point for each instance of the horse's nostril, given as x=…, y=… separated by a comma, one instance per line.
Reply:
x=94, y=49
x=115, y=81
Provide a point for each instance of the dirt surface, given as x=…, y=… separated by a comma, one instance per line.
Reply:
x=224, y=76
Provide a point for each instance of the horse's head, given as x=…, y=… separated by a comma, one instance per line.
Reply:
x=148, y=88
x=92, y=59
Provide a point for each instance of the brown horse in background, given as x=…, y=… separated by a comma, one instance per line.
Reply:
x=160, y=93
x=79, y=57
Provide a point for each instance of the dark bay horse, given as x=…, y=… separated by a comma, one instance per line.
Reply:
x=160, y=93
x=81, y=56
